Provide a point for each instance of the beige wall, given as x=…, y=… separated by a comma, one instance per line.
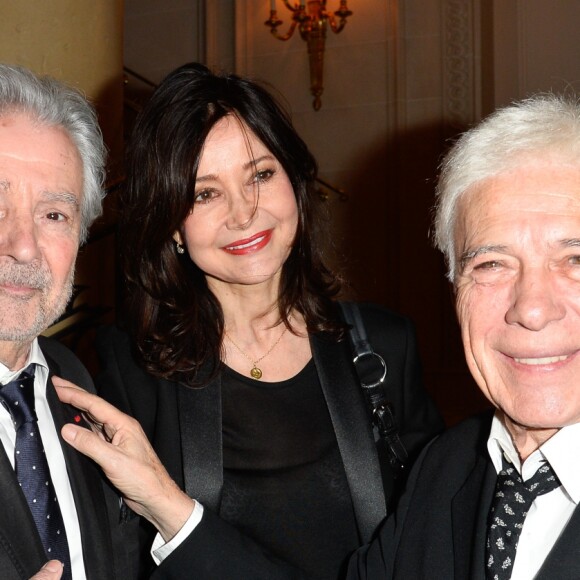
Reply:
x=77, y=41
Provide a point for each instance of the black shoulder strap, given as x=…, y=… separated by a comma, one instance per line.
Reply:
x=372, y=371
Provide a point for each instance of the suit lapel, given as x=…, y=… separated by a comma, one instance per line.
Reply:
x=200, y=421
x=352, y=426
x=86, y=484
x=469, y=509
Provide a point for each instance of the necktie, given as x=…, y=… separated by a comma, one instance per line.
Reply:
x=32, y=468
x=509, y=509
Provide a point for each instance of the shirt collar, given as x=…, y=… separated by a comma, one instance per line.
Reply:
x=35, y=356
x=500, y=443
x=562, y=450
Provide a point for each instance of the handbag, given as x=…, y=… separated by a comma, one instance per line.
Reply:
x=372, y=370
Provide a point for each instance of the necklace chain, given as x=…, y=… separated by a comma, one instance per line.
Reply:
x=256, y=372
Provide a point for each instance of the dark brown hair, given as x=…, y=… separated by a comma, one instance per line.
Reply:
x=176, y=321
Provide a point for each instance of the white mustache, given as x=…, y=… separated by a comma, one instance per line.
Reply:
x=32, y=275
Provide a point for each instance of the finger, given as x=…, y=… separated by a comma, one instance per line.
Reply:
x=97, y=410
x=52, y=570
x=91, y=444
x=60, y=382
x=65, y=391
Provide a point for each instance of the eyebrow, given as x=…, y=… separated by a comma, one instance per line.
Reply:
x=570, y=242
x=254, y=162
x=251, y=163
x=469, y=255
x=51, y=196
x=61, y=196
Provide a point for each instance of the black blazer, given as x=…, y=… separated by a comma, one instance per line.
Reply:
x=439, y=529
x=110, y=545
x=184, y=425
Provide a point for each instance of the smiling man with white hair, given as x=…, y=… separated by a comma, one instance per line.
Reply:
x=496, y=496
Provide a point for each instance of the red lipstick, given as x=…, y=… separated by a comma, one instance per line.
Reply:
x=249, y=245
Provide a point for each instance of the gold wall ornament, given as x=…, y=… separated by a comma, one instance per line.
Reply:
x=312, y=20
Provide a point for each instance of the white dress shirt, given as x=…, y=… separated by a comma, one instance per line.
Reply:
x=53, y=450
x=160, y=550
x=550, y=512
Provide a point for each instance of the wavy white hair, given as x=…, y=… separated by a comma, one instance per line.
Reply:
x=52, y=103
x=544, y=124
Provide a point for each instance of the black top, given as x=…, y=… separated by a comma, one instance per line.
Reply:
x=284, y=480
x=185, y=426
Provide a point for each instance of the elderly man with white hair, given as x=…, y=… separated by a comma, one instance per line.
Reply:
x=55, y=507
x=496, y=496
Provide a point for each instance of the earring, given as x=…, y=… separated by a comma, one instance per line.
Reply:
x=179, y=248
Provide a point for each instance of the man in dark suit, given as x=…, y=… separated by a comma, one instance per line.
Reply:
x=51, y=173
x=496, y=496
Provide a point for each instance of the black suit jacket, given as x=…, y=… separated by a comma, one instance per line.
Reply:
x=439, y=528
x=184, y=425
x=109, y=544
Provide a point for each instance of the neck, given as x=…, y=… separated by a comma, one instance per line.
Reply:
x=527, y=439
x=248, y=306
x=14, y=354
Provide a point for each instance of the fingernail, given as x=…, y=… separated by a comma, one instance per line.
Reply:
x=69, y=433
x=53, y=566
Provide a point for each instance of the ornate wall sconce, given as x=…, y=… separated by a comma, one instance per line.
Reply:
x=312, y=20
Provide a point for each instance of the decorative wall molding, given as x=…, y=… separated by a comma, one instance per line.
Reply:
x=459, y=58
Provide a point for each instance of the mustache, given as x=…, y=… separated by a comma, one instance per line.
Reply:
x=33, y=275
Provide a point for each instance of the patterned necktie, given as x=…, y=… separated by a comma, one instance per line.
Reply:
x=32, y=470
x=509, y=509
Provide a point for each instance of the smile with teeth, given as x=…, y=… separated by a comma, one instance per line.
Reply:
x=247, y=244
x=541, y=361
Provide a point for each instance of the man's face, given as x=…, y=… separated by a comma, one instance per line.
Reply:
x=518, y=291
x=40, y=194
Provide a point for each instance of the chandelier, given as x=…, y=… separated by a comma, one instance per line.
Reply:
x=312, y=20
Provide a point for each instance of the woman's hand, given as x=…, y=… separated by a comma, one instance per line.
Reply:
x=118, y=444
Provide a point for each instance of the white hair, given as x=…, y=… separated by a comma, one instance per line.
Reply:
x=54, y=104
x=540, y=125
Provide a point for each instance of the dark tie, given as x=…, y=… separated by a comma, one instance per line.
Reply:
x=509, y=509
x=32, y=468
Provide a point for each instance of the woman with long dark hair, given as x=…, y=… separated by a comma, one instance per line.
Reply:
x=236, y=359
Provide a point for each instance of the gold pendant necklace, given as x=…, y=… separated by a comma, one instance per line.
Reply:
x=256, y=371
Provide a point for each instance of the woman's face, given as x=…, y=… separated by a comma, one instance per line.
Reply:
x=244, y=217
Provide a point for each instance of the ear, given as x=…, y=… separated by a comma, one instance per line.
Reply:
x=177, y=238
